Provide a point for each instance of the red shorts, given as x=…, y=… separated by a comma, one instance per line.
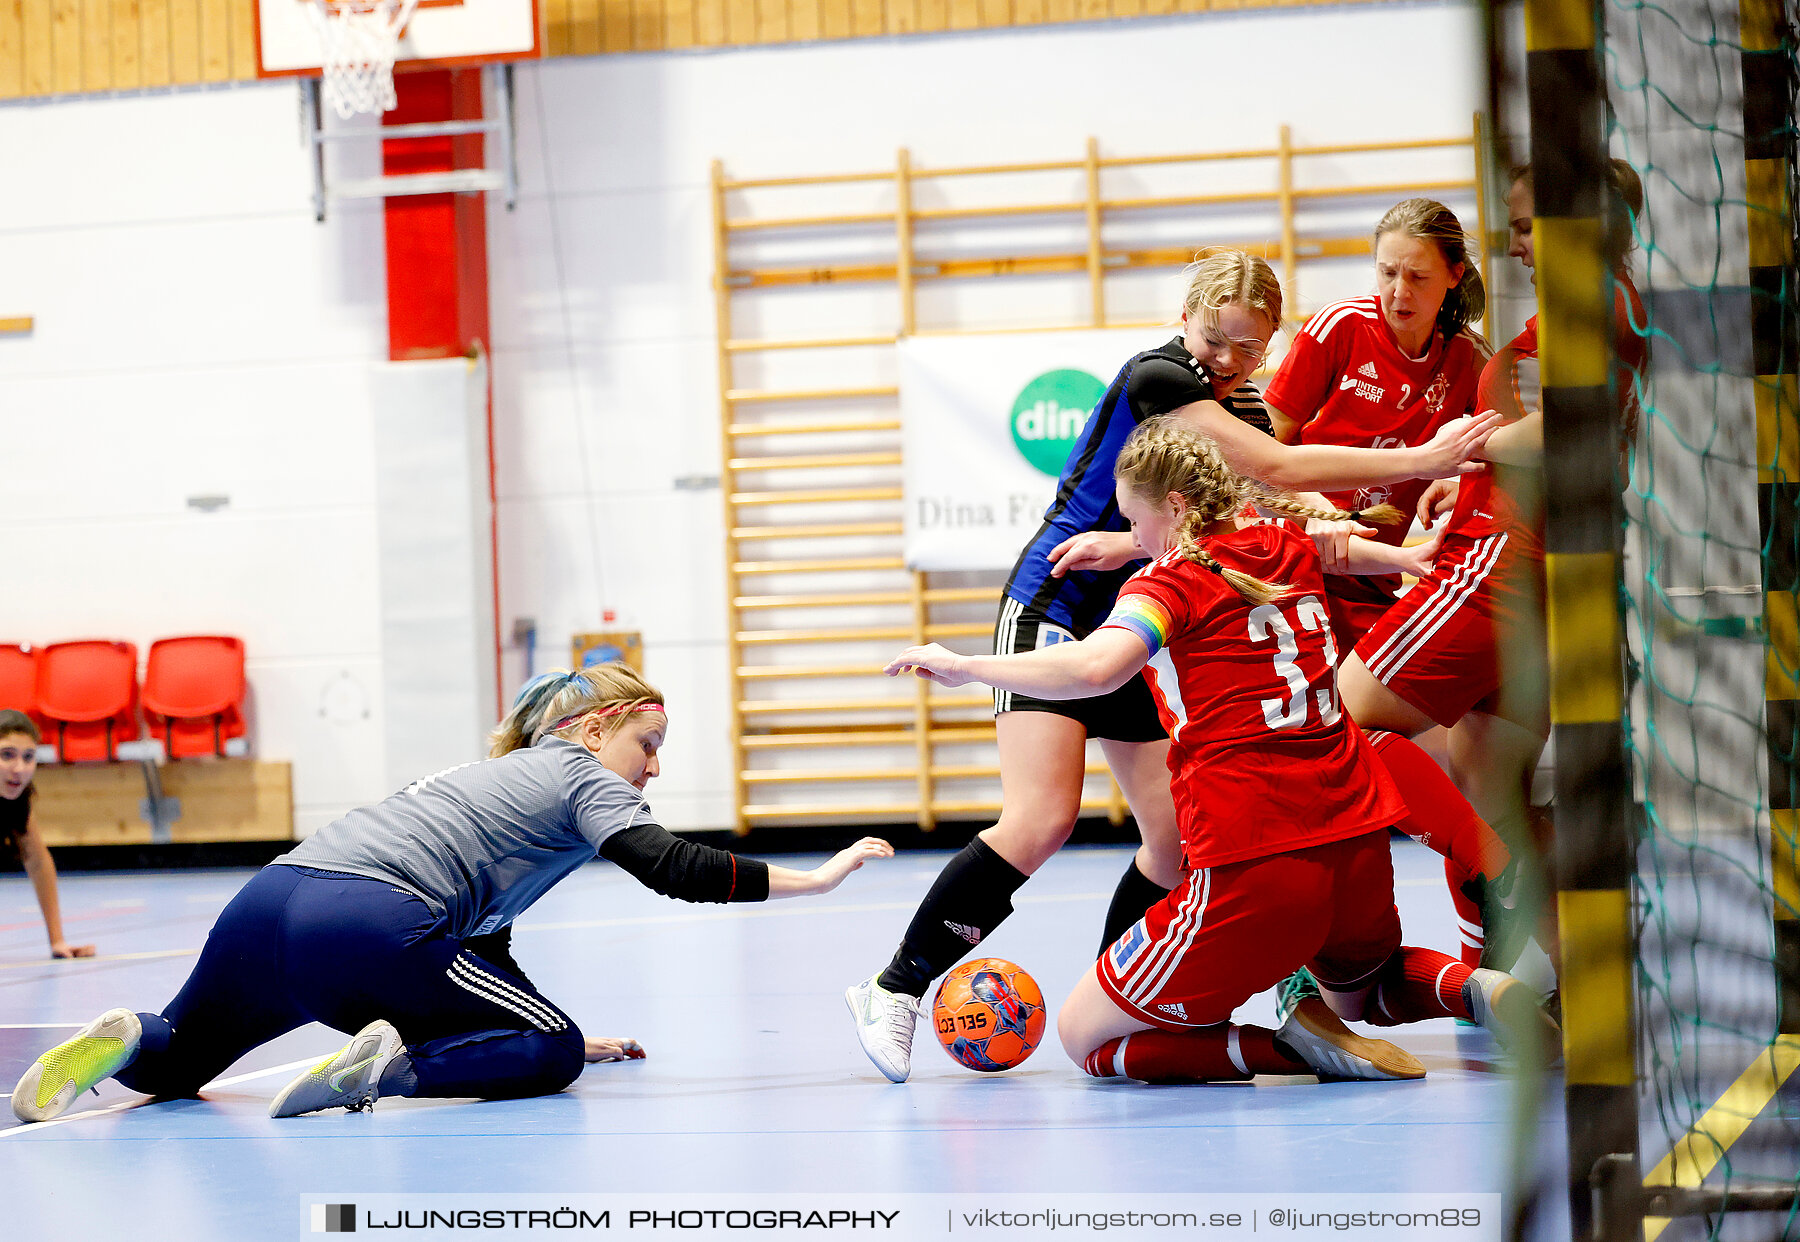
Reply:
x=1230, y=932
x=1353, y=614
x=1469, y=635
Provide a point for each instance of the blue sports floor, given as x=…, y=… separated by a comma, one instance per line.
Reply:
x=754, y=1080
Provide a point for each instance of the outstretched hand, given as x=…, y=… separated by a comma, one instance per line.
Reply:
x=934, y=662
x=63, y=949
x=1452, y=451
x=829, y=874
x=599, y=1048
x=1095, y=551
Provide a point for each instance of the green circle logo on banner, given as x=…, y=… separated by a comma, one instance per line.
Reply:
x=1049, y=413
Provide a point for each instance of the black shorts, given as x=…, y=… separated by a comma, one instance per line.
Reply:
x=1128, y=714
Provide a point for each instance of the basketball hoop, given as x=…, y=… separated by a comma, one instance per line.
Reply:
x=359, y=39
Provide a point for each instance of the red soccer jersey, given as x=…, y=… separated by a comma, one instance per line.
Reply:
x=1481, y=507
x=1262, y=758
x=1346, y=381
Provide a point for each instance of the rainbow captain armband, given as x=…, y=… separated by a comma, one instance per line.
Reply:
x=1144, y=617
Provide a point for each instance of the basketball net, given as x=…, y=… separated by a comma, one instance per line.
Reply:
x=358, y=41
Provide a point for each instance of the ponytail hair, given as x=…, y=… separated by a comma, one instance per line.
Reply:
x=555, y=702
x=1431, y=221
x=1165, y=455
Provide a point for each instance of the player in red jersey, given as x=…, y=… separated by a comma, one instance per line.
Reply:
x=1282, y=811
x=1465, y=647
x=1385, y=371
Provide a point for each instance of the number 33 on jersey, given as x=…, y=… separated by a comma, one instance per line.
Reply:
x=1262, y=757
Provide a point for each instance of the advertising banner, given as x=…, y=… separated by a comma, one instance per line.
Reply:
x=986, y=424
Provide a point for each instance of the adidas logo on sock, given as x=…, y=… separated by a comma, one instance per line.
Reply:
x=1368, y=369
x=971, y=934
x=1176, y=1010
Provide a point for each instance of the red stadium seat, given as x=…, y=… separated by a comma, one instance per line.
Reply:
x=87, y=695
x=194, y=693
x=18, y=680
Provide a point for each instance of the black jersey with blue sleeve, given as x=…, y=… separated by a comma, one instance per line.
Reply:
x=1154, y=382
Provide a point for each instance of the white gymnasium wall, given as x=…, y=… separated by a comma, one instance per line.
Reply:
x=197, y=332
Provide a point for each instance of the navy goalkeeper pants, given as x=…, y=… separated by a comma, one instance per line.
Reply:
x=300, y=945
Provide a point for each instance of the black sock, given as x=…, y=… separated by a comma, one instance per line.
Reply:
x=1136, y=893
x=971, y=897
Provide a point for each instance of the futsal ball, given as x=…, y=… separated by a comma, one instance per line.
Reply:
x=989, y=1014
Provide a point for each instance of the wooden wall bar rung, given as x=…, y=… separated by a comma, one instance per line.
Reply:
x=815, y=496
x=848, y=220
x=779, y=638
x=839, y=530
x=819, y=427
x=1035, y=265
x=851, y=599
x=815, y=461
x=741, y=395
x=1425, y=189
x=820, y=342
x=808, y=776
x=962, y=595
x=972, y=629
x=779, y=707
x=759, y=672
x=844, y=564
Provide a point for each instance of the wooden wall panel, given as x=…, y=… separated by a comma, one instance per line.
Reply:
x=678, y=27
x=34, y=37
x=615, y=25
x=96, y=45
x=557, y=34
x=243, y=40
x=69, y=46
x=803, y=20
x=12, y=49
x=647, y=25
x=215, y=40
x=65, y=45
x=740, y=22
x=772, y=21
x=153, y=42
x=127, y=46
x=584, y=27
x=184, y=41
x=709, y=23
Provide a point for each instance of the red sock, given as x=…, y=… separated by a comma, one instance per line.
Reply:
x=1468, y=915
x=1436, y=812
x=1417, y=984
x=1223, y=1053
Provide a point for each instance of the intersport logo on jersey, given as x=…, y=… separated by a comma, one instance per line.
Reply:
x=987, y=422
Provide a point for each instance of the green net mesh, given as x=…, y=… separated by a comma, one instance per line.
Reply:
x=1700, y=109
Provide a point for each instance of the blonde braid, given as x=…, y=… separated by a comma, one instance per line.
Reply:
x=1288, y=506
x=1165, y=455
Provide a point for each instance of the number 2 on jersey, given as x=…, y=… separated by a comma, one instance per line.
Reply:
x=1268, y=621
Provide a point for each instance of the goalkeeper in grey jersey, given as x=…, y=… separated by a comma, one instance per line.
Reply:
x=392, y=922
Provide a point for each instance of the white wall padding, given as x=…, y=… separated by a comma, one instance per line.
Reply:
x=435, y=554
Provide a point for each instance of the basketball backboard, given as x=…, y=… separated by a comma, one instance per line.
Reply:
x=441, y=34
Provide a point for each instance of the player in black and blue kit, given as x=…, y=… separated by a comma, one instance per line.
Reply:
x=377, y=923
x=1063, y=585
